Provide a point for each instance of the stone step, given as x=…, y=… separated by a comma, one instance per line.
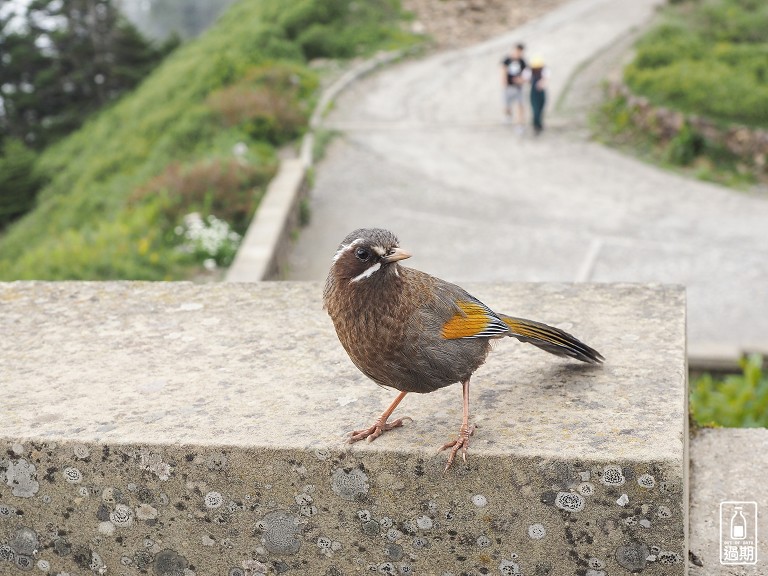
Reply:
x=173, y=428
x=728, y=469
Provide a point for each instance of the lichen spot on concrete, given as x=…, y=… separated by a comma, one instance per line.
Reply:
x=322, y=453
x=217, y=461
x=73, y=475
x=213, y=500
x=586, y=488
x=24, y=562
x=569, y=501
x=613, y=476
x=664, y=512
x=596, y=563
x=646, y=481
x=424, y=522
x=121, y=516
x=632, y=556
x=509, y=568
x=371, y=528
x=303, y=499
x=6, y=553
x=349, y=484
x=81, y=451
x=21, y=477
x=479, y=500
x=25, y=541
x=170, y=563
x=280, y=532
x=668, y=558
x=537, y=531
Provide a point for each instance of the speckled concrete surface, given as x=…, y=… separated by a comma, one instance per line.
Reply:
x=178, y=429
x=727, y=465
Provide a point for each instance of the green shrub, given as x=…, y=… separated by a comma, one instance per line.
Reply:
x=320, y=40
x=20, y=181
x=685, y=146
x=734, y=401
x=225, y=187
x=271, y=103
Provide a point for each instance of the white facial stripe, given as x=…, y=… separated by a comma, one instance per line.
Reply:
x=368, y=272
x=379, y=250
x=345, y=247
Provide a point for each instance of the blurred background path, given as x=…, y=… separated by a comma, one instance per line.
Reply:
x=424, y=152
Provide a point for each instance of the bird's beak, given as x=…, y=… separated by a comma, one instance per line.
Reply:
x=396, y=254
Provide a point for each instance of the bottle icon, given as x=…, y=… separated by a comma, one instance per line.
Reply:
x=738, y=525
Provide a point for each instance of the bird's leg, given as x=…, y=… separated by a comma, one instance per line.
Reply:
x=381, y=425
x=462, y=442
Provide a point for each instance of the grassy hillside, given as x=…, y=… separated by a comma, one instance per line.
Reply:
x=709, y=60
x=709, y=57
x=198, y=136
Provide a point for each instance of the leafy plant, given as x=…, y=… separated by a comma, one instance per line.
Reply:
x=739, y=400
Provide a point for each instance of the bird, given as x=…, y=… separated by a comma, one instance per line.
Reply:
x=408, y=330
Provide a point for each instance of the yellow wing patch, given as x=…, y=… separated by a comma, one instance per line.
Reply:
x=474, y=321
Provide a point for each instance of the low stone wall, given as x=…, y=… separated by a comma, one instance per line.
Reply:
x=748, y=143
x=181, y=429
x=264, y=249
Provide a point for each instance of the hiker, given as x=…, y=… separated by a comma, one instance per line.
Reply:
x=513, y=67
x=537, y=76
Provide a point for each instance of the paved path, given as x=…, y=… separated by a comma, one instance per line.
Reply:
x=425, y=154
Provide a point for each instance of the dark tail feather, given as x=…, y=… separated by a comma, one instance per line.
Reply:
x=551, y=339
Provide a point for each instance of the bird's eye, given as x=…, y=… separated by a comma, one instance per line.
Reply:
x=362, y=254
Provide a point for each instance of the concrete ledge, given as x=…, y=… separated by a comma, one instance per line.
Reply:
x=726, y=465
x=173, y=428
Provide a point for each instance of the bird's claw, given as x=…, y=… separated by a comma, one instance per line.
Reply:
x=376, y=430
x=461, y=443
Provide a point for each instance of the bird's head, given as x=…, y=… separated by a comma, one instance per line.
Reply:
x=367, y=253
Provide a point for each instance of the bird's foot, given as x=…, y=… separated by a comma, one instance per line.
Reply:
x=461, y=443
x=378, y=428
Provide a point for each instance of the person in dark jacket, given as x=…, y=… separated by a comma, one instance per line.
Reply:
x=537, y=76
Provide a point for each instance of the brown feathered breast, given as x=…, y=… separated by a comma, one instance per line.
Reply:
x=390, y=325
